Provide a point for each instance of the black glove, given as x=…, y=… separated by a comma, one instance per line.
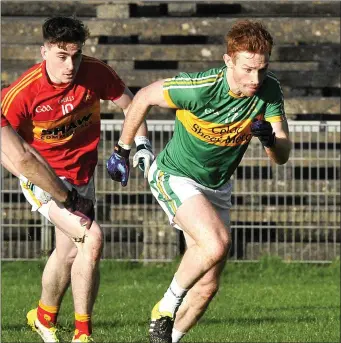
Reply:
x=263, y=130
x=79, y=205
x=118, y=165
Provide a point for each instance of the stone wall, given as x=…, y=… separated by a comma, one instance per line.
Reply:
x=144, y=42
x=149, y=41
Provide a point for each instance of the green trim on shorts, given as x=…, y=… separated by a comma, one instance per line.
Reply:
x=170, y=191
x=160, y=183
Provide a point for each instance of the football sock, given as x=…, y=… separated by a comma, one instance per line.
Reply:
x=177, y=335
x=47, y=315
x=172, y=298
x=82, y=324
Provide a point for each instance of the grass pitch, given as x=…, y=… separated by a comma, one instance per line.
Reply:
x=269, y=301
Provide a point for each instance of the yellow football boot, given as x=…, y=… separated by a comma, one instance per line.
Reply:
x=47, y=334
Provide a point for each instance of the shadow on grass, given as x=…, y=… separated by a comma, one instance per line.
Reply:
x=97, y=324
x=294, y=308
x=289, y=308
x=261, y=320
x=115, y=323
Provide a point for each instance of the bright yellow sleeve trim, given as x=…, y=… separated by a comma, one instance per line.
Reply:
x=168, y=99
x=275, y=119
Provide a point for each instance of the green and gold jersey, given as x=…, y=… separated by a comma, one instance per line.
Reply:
x=212, y=125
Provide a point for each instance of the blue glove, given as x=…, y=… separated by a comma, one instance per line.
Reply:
x=263, y=130
x=118, y=165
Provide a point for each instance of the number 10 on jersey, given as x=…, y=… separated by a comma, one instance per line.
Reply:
x=67, y=108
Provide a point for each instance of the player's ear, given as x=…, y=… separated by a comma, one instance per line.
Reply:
x=228, y=60
x=43, y=51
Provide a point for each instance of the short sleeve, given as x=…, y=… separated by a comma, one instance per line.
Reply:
x=112, y=86
x=182, y=91
x=274, y=111
x=12, y=107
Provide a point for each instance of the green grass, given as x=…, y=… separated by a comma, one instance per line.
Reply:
x=268, y=301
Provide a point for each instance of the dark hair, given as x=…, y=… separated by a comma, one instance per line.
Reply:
x=64, y=30
x=247, y=35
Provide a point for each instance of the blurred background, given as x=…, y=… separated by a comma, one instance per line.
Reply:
x=290, y=211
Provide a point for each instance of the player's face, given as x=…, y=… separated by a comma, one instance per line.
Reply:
x=246, y=72
x=62, y=61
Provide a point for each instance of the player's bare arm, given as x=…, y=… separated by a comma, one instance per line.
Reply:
x=118, y=165
x=143, y=100
x=7, y=163
x=144, y=155
x=20, y=158
x=124, y=103
x=280, y=151
x=274, y=137
x=26, y=163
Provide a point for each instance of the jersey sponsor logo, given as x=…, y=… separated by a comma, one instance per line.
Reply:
x=234, y=134
x=228, y=136
x=66, y=130
x=66, y=99
x=43, y=108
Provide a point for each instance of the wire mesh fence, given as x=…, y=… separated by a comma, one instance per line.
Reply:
x=291, y=211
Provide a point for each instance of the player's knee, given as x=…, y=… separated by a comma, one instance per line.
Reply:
x=94, y=242
x=218, y=248
x=67, y=257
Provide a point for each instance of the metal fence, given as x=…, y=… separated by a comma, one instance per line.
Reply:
x=292, y=211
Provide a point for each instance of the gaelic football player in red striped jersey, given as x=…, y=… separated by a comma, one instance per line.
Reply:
x=55, y=107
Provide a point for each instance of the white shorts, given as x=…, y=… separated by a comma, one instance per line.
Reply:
x=171, y=191
x=87, y=191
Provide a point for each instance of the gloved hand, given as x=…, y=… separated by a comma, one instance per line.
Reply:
x=118, y=164
x=144, y=157
x=263, y=130
x=79, y=205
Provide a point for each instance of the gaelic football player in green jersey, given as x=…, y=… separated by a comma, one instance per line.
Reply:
x=218, y=112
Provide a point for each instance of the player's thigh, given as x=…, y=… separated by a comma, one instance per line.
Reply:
x=66, y=248
x=70, y=224
x=40, y=200
x=170, y=191
x=187, y=205
x=200, y=220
